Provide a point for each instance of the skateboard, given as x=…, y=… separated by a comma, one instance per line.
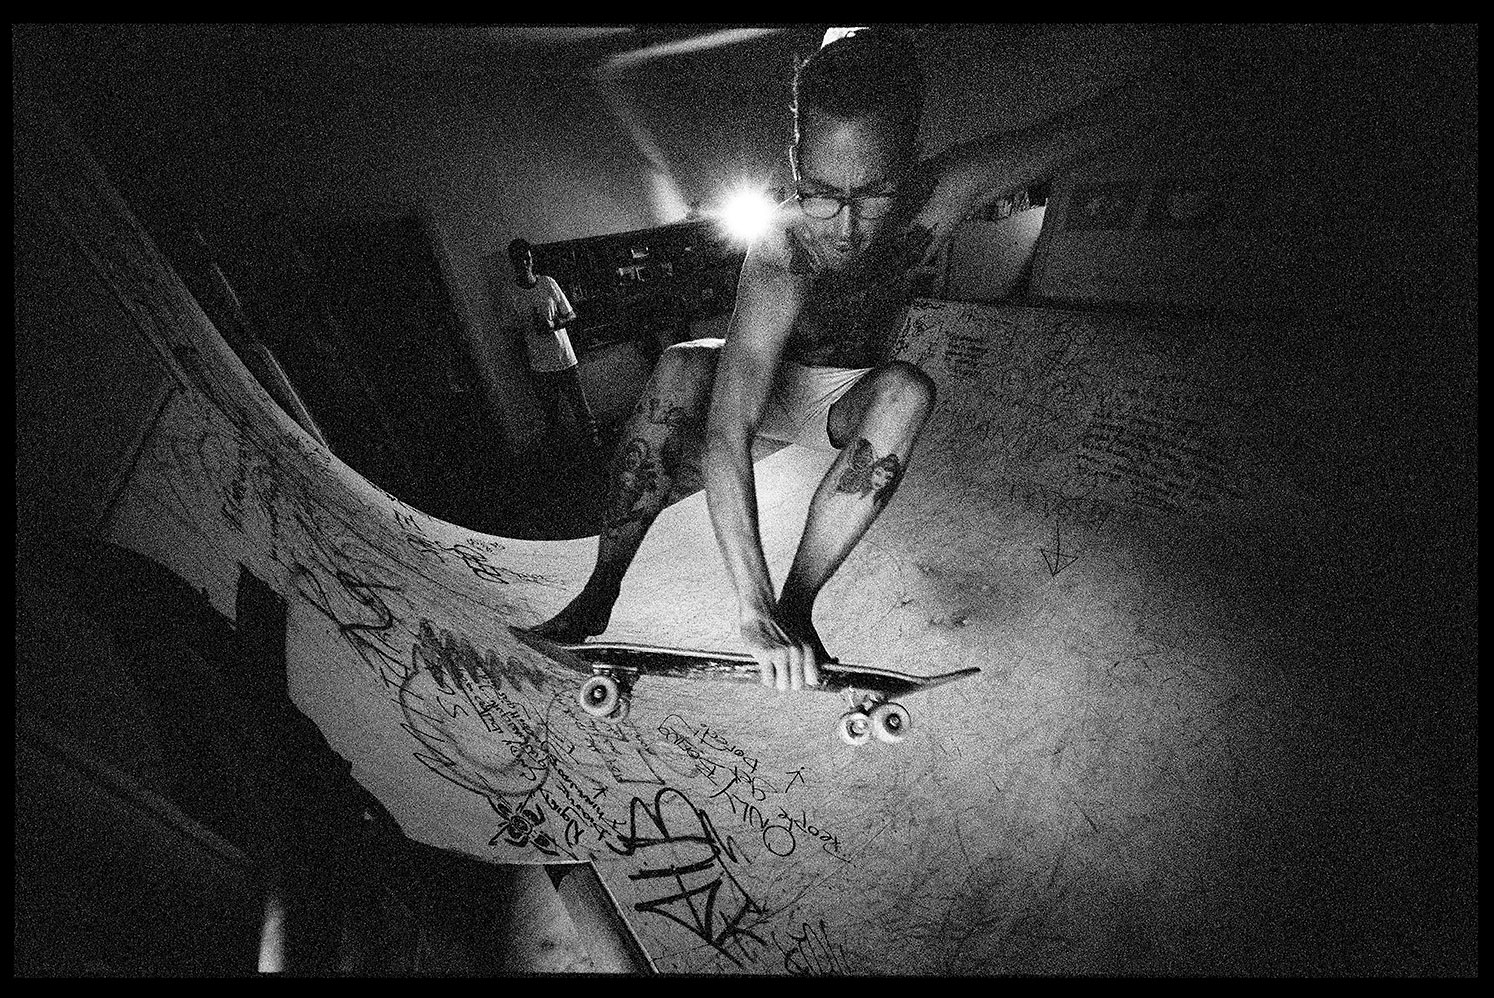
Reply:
x=614, y=668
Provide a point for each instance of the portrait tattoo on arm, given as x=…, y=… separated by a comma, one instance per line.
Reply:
x=868, y=475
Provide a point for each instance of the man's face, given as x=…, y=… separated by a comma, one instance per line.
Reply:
x=848, y=159
x=523, y=262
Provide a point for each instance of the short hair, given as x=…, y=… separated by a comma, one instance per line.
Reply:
x=869, y=72
x=518, y=248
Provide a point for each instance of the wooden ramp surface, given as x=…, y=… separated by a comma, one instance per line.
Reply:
x=1073, y=806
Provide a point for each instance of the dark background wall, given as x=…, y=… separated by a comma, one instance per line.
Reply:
x=500, y=130
x=484, y=132
x=492, y=131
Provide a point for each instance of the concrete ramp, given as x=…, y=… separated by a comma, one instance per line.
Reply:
x=1086, y=519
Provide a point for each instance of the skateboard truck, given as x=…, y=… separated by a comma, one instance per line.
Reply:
x=887, y=721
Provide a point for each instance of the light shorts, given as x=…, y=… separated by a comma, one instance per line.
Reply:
x=798, y=410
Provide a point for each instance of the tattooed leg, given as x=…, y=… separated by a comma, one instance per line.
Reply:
x=651, y=463
x=876, y=425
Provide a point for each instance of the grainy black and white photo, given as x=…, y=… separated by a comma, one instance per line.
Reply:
x=954, y=500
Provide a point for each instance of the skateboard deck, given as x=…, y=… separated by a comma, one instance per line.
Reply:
x=615, y=667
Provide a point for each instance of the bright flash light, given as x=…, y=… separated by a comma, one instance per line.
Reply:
x=745, y=214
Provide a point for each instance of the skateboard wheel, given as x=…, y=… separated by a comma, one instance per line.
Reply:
x=599, y=696
x=890, y=722
x=855, y=728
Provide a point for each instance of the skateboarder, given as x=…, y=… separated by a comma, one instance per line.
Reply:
x=804, y=360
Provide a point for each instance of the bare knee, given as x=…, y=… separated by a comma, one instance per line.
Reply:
x=687, y=367
x=678, y=393
x=903, y=388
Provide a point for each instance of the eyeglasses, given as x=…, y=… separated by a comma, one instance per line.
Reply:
x=825, y=205
x=820, y=205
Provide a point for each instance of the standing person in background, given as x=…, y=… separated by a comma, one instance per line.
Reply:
x=540, y=312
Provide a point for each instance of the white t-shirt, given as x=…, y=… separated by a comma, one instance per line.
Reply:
x=548, y=351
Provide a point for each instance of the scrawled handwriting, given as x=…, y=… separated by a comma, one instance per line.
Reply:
x=687, y=875
x=472, y=557
x=1151, y=440
x=754, y=797
x=808, y=951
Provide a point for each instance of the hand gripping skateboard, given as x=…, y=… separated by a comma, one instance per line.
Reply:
x=614, y=668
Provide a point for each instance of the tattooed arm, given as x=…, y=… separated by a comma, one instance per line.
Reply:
x=768, y=301
x=973, y=175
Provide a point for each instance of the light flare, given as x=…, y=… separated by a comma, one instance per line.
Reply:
x=746, y=213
